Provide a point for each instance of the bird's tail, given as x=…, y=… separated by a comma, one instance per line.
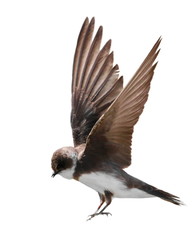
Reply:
x=162, y=194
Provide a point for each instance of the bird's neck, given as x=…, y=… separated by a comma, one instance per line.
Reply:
x=68, y=173
x=75, y=157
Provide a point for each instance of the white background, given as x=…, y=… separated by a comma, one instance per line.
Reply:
x=37, y=44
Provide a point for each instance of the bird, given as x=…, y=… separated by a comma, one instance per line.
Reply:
x=103, y=117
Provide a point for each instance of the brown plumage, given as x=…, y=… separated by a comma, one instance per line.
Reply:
x=95, y=83
x=113, y=133
x=103, y=118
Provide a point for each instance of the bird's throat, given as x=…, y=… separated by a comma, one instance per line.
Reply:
x=68, y=173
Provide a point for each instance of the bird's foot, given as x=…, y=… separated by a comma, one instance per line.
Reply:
x=97, y=214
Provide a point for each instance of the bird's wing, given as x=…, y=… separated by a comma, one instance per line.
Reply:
x=95, y=83
x=111, y=137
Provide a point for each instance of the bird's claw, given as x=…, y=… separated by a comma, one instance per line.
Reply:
x=106, y=213
x=97, y=214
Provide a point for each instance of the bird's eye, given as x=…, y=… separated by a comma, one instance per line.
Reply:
x=61, y=165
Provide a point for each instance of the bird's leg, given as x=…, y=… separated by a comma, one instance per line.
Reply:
x=102, y=211
x=108, y=198
x=102, y=200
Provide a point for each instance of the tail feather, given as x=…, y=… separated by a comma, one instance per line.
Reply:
x=162, y=194
x=167, y=196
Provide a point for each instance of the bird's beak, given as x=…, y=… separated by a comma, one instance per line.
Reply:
x=53, y=175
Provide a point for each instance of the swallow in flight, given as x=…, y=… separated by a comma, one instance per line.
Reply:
x=103, y=117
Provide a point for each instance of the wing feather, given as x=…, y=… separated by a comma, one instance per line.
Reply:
x=111, y=137
x=95, y=81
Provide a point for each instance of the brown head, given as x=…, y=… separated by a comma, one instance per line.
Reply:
x=63, y=159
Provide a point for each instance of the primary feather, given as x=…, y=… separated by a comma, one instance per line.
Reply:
x=95, y=83
x=111, y=137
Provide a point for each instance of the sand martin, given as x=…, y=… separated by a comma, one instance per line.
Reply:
x=103, y=117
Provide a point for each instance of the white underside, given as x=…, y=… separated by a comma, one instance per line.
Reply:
x=101, y=182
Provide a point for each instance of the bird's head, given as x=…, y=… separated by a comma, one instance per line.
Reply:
x=63, y=161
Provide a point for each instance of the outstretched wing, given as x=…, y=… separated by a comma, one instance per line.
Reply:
x=110, y=139
x=95, y=83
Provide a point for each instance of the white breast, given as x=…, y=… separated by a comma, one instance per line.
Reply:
x=100, y=182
